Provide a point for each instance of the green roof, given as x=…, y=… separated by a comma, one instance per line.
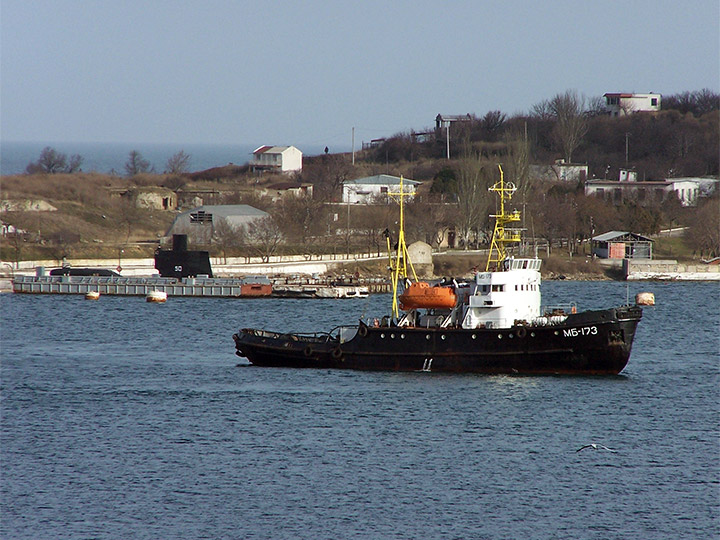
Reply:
x=383, y=180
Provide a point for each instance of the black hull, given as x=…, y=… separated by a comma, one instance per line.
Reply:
x=590, y=343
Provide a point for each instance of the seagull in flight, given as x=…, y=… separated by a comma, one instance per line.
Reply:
x=595, y=447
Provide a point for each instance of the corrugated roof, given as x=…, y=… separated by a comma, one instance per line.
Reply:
x=227, y=210
x=382, y=179
x=612, y=235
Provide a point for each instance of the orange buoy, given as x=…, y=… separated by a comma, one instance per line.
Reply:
x=422, y=295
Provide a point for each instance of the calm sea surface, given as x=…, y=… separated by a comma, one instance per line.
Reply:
x=123, y=419
x=107, y=157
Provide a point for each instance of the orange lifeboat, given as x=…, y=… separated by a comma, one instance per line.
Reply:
x=422, y=295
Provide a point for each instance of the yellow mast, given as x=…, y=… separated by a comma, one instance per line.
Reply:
x=502, y=236
x=399, y=266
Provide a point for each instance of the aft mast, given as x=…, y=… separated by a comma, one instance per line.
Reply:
x=502, y=235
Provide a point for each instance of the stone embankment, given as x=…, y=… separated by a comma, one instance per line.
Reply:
x=669, y=270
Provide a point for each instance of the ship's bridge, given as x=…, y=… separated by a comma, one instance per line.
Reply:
x=501, y=298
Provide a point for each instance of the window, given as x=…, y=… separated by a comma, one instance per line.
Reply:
x=201, y=217
x=383, y=189
x=498, y=288
x=653, y=102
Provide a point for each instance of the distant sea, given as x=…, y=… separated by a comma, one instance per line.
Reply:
x=111, y=157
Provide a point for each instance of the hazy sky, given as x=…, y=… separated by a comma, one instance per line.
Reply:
x=294, y=72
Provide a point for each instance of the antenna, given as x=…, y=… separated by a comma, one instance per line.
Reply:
x=627, y=293
x=502, y=236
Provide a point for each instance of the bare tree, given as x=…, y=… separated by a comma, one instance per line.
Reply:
x=472, y=198
x=136, y=164
x=300, y=218
x=518, y=164
x=264, y=236
x=571, y=123
x=227, y=236
x=703, y=234
x=52, y=162
x=427, y=219
x=596, y=107
x=178, y=163
x=542, y=110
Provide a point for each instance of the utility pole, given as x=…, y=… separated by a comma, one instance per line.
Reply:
x=353, y=145
x=627, y=147
x=447, y=138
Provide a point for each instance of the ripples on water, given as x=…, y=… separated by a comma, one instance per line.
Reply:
x=122, y=419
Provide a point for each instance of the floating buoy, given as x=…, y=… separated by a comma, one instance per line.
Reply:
x=156, y=296
x=645, y=299
x=92, y=295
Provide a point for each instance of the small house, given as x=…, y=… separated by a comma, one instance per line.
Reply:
x=621, y=104
x=283, y=159
x=372, y=189
x=622, y=245
x=285, y=190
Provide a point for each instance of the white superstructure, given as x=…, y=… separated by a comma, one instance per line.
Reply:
x=499, y=299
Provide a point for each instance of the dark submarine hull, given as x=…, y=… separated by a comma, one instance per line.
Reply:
x=588, y=343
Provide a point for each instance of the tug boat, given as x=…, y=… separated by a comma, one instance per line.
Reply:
x=494, y=323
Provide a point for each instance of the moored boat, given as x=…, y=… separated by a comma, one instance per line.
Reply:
x=494, y=324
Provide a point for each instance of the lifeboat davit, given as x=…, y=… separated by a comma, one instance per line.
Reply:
x=422, y=295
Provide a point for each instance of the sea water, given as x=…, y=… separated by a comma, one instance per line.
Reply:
x=112, y=157
x=123, y=419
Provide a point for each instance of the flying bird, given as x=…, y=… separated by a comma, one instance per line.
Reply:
x=596, y=447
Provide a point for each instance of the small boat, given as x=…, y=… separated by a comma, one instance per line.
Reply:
x=421, y=295
x=92, y=295
x=495, y=324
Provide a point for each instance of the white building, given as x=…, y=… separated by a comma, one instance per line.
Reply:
x=623, y=104
x=285, y=159
x=687, y=190
x=376, y=188
x=560, y=172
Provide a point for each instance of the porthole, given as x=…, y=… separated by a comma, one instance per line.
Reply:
x=402, y=336
x=499, y=336
x=382, y=336
x=510, y=336
x=443, y=336
x=556, y=333
x=474, y=336
x=392, y=336
x=427, y=336
x=532, y=334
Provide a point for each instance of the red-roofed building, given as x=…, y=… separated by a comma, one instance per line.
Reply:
x=618, y=104
x=285, y=159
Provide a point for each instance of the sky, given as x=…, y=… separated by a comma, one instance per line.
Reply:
x=300, y=72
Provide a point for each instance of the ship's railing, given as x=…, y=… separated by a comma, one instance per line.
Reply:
x=313, y=337
x=559, y=309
